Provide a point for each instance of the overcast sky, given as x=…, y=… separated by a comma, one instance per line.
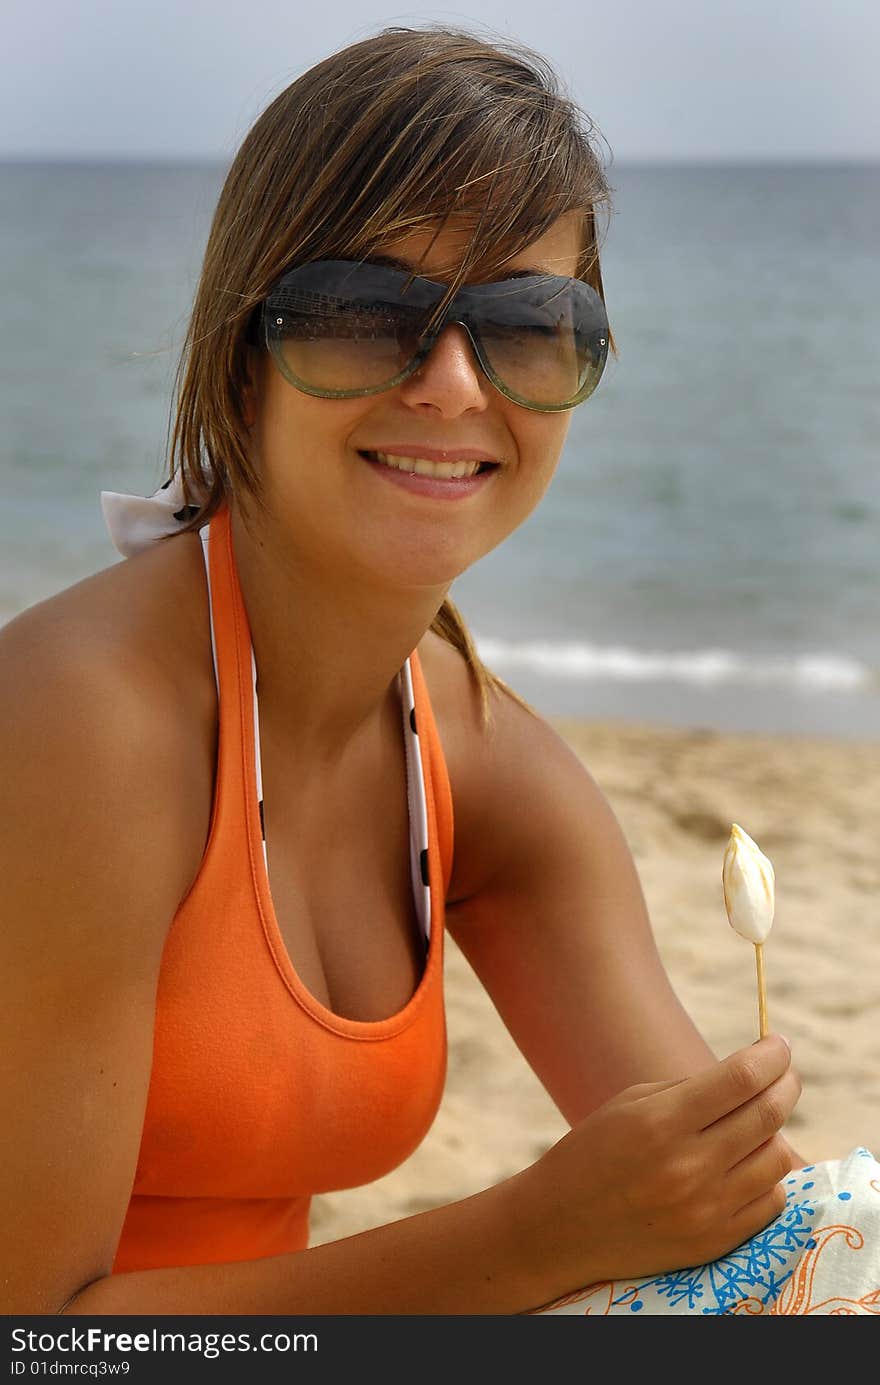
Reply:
x=663, y=79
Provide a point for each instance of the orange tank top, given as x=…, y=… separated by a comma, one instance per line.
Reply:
x=259, y=1095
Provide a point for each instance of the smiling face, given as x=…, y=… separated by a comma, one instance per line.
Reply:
x=338, y=474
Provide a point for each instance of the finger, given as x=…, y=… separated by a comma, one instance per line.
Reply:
x=757, y=1174
x=758, y=1214
x=725, y=1086
x=736, y=1135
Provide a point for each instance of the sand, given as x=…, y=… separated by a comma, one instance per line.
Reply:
x=813, y=806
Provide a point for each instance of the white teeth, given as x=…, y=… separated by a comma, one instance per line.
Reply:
x=420, y=466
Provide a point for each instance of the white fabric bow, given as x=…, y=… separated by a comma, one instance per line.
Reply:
x=135, y=522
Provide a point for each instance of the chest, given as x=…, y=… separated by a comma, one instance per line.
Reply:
x=339, y=876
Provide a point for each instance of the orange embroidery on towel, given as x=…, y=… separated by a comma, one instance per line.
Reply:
x=797, y=1295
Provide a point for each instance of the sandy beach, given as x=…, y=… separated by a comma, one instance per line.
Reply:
x=813, y=805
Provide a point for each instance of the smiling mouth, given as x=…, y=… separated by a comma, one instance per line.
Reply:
x=423, y=466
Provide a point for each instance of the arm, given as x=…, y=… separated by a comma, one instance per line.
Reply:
x=546, y=905
x=548, y=909
x=80, y=943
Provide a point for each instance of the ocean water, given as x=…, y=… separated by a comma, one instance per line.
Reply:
x=709, y=551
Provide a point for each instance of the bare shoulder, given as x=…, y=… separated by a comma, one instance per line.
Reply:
x=520, y=792
x=145, y=614
x=107, y=677
x=85, y=797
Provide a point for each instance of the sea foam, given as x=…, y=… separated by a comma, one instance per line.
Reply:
x=701, y=667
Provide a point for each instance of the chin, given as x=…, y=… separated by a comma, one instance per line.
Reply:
x=430, y=557
x=423, y=571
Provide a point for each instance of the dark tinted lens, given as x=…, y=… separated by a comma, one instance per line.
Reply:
x=339, y=326
x=545, y=338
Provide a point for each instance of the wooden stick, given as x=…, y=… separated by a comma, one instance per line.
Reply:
x=762, y=994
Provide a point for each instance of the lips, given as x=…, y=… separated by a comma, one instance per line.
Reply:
x=454, y=477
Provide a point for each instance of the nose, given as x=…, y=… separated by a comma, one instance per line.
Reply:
x=450, y=380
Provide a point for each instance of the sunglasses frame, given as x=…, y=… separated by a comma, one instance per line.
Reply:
x=452, y=315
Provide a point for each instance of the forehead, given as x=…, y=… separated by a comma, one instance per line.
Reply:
x=439, y=252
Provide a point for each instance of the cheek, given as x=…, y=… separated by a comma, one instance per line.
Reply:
x=297, y=431
x=541, y=440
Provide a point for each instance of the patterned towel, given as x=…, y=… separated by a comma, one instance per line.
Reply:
x=820, y=1256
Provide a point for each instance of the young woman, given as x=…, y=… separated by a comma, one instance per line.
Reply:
x=252, y=773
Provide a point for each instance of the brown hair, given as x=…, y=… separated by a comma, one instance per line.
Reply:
x=395, y=133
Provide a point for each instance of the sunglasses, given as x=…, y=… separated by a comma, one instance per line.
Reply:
x=343, y=329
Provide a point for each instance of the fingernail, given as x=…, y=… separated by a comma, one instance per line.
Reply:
x=786, y=1041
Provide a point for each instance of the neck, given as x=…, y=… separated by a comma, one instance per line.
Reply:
x=328, y=645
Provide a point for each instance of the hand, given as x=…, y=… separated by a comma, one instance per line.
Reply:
x=665, y=1175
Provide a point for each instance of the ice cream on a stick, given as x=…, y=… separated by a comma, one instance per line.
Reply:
x=749, y=897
